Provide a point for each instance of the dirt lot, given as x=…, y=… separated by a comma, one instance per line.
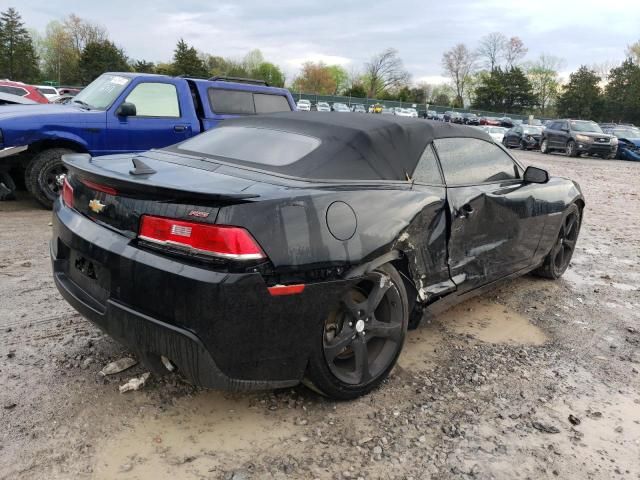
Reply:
x=484, y=391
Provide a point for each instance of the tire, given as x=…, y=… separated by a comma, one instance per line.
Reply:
x=523, y=146
x=41, y=173
x=544, y=146
x=564, y=245
x=340, y=347
x=571, y=150
x=7, y=187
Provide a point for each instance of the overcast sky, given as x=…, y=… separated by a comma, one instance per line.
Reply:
x=349, y=32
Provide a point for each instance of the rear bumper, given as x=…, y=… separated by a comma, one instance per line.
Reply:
x=222, y=330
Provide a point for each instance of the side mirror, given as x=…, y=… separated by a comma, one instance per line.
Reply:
x=126, y=109
x=535, y=175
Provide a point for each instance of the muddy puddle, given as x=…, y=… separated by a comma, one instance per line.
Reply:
x=491, y=323
x=481, y=319
x=195, y=435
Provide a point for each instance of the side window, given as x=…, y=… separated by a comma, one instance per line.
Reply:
x=231, y=101
x=473, y=161
x=427, y=170
x=21, y=92
x=266, y=103
x=155, y=100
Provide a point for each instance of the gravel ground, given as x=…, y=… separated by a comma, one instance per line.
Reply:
x=538, y=379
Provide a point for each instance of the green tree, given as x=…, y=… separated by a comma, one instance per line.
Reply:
x=622, y=93
x=18, y=60
x=356, y=90
x=582, y=96
x=142, y=66
x=543, y=75
x=270, y=73
x=441, y=99
x=187, y=62
x=504, y=91
x=340, y=76
x=633, y=52
x=100, y=57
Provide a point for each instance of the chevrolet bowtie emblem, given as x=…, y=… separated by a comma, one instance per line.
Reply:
x=96, y=206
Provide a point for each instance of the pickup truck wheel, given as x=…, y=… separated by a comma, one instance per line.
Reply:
x=359, y=343
x=7, y=187
x=41, y=177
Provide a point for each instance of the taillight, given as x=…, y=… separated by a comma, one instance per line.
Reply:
x=67, y=193
x=216, y=240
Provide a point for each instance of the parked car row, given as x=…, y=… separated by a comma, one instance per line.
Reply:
x=305, y=105
x=37, y=93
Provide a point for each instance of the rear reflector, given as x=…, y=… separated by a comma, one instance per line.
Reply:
x=67, y=193
x=99, y=188
x=279, y=290
x=217, y=240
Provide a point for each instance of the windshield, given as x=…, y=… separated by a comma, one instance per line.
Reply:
x=532, y=130
x=101, y=93
x=627, y=132
x=585, y=127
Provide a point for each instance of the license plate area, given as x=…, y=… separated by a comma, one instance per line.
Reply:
x=90, y=276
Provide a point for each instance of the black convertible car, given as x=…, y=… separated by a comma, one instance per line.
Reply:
x=285, y=248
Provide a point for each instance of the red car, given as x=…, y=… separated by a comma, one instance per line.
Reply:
x=22, y=90
x=492, y=121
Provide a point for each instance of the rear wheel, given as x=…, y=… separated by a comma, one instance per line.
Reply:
x=43, y=173
x=557, y=260
x=572, y=151
x=360, y=341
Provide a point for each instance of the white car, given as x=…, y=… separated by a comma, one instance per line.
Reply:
x=413, y=113
x=497, y=133
x=323, y=107
x=304, y=105
x=341, y=108
x=402, y=112
x=48, y=91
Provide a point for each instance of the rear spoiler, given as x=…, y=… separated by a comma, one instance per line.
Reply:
x=140, y=182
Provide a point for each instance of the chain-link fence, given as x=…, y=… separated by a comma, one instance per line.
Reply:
x=420, y=107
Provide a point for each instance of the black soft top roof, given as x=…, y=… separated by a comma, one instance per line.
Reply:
x=356, y=146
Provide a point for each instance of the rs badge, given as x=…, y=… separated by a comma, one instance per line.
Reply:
x=96, y=206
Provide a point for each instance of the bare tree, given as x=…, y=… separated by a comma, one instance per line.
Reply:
x=83, y=32
x=385, y=70
x=492, y=49
x=633, y=51
x=458, y=63
x=514, y=52
x=603, y=69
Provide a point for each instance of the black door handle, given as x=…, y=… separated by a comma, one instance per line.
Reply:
x=179, y=128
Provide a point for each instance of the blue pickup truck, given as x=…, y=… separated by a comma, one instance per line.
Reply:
x=117, y=113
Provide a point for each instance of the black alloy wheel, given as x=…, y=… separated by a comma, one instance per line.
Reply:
x=558, y=259
x=362, y=336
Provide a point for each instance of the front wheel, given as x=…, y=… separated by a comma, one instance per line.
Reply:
x=544, y=146
x=43, y=174
x=557, y=260
x=7, y=187
x=361, y=339
x=572, y=151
